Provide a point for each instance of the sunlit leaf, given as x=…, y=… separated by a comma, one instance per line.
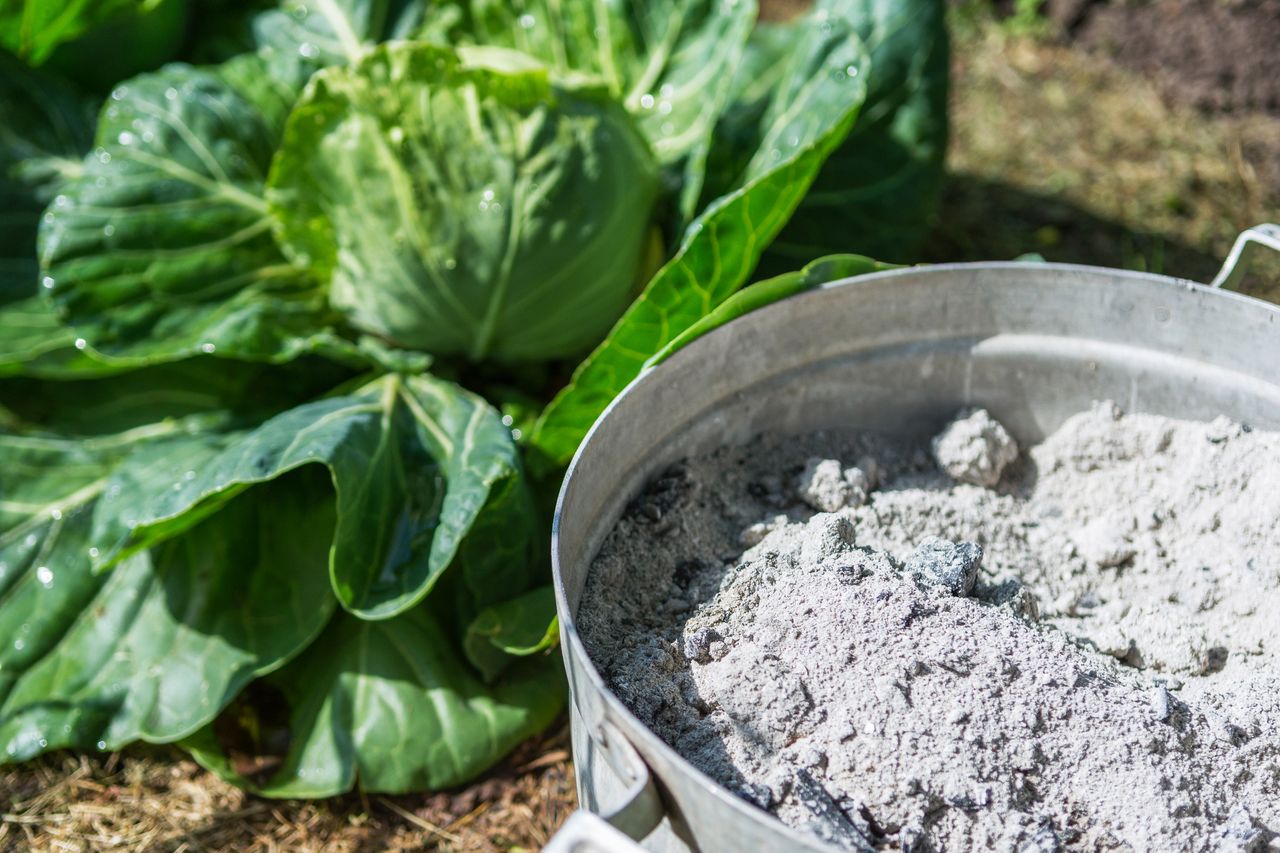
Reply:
x=414, y=462
x=465, y=205
x=812, y=107
x=390, y=706
x=155, y=649
x=161, y=247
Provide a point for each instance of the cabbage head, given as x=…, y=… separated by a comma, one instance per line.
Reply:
x=465, y=202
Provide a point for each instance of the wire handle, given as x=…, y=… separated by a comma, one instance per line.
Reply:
x=1233, y=268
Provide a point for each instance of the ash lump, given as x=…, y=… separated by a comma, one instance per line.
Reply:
x=975, y=448
x=1243, y=834
x=738, y=662
x=826, y=486
x=952, y=566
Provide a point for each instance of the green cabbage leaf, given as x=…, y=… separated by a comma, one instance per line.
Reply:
x=463, y=204
x=298, y=331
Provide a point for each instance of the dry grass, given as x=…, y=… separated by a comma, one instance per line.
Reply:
x=159, y=800
x=1054, y=153
x=1060, y=153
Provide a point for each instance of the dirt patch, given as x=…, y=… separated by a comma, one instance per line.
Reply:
x=1080, y=160
x=1214, y=55
x=152, y=799
x=1080, y=652
x=783, y=10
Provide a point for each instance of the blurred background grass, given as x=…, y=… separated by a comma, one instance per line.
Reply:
x=1058, y=150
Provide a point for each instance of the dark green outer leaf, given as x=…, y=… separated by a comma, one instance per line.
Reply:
x=162, y=247
x=48, y=489
x=877, y=191
x=45, y=131
x=33, y=28
x=391, y=706
x=216, y=392
x=155, y=649
x=413, y=463
x=818, y=101
x=523, y=626
x=491, y=526
x=141, y=37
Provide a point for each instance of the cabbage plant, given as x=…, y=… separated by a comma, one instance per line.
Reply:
x=297, y=335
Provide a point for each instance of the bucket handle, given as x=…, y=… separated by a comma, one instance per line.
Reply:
x=640, y=813
x=1246, y=245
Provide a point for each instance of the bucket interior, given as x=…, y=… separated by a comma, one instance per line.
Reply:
x=900, y=353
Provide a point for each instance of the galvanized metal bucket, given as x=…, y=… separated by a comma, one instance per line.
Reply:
x=900, y=352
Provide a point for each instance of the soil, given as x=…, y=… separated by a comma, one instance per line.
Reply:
x=157, y=799
x=1214, y=55
x=954, y=646
x=1058, y=153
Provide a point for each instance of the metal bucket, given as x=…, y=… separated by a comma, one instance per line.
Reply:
x=898, y=351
